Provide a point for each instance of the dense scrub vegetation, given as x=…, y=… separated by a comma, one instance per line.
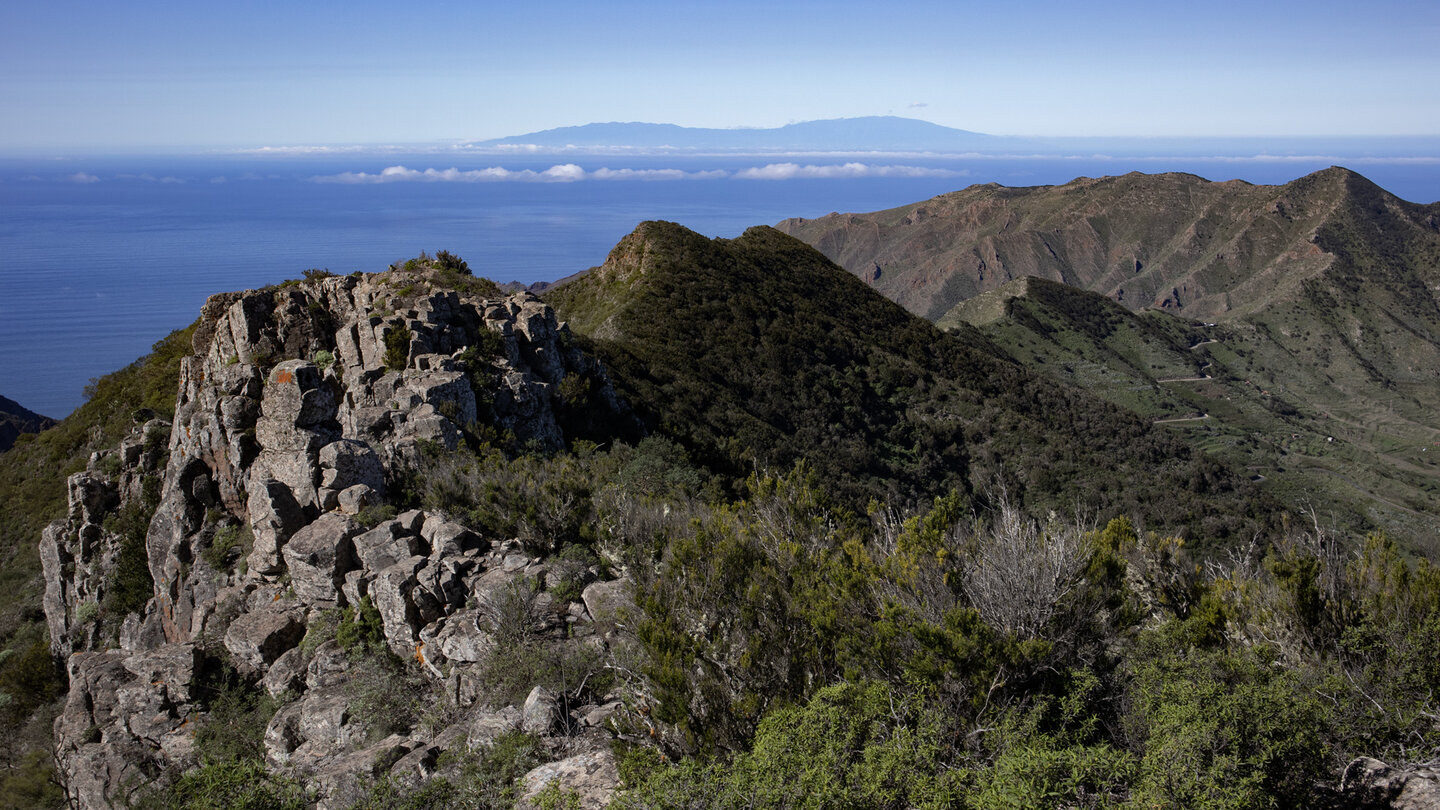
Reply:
x=759, y=351
x=791, y=651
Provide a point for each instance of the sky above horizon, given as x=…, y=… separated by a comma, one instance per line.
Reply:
x=163, y=74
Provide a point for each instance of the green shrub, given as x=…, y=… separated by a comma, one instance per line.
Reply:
x=853, y=745
x=375, y=514
x=510, y=671
x=230, y=544
x=397, y=348
x=233, y=727
x=445, y=260
x=109, y=465
x=130, y=585
x=483, y=778
x=361, y=630
x=1224, y=729
x=228, y=785
x=324, y=359
x=388, y=695
x=321, y=627
x=570, y=572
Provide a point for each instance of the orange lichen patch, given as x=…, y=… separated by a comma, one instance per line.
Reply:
x=284, y=377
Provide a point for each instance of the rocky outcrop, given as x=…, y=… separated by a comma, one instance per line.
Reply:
x=81, y=554
x=258, y=518
x=1370, y=783
x=591, y=778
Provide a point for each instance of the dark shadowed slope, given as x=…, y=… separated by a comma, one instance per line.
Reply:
x=759, y=351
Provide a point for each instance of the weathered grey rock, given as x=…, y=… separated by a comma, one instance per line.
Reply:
x=327, y=667
x=404, y=608
x=1370, y=783
x=463, y=639
x=385, y=545
x=290, y=451
x=123, y=716
x=442, y=582
x=257, y=638
x=344, y=781
x=449, y=539
x=296, y=393
x=609, y=603
x=593, y=777
x=541, y=712
x=600, y=715
x=348, y=462
x=487, y=726
x=412, y=521
x=325, y=724
x=91, y=497
x=274, y=516
x=286, y=674
x=100, y=774
x=353, y=500
x=282, y=735
x=318, y=557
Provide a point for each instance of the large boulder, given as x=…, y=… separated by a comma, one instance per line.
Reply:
x=274, y=516
x=258, y=638
x=593, y=777
x=319, y=556
x=347, y=463
x=609, y=603
x=541, y=712
x=385, y=545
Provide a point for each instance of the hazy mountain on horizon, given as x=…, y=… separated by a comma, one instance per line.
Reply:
x=869, y=133
x=888, y=133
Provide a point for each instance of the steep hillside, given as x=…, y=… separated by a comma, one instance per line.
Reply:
x=1326, y=289
x=16, y=419
x=1208, y=383
x=1169, y=240
x=759, y=351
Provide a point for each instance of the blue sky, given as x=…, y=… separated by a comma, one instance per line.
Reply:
x=153, y=73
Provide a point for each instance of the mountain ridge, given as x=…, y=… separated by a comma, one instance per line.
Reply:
x=1325, y=288
x=763, y=341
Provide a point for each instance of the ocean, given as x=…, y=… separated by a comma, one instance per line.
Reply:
x=100, y=257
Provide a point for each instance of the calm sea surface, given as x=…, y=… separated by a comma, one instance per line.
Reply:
x=101, y=257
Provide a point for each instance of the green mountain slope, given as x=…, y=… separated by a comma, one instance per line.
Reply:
x=759, y=352
x=1173, y=240
x=1325, y=374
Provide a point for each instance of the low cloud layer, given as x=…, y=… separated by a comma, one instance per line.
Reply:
x=794, y=171
x=570, y=173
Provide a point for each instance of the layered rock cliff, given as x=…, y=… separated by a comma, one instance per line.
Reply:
x=217, y=543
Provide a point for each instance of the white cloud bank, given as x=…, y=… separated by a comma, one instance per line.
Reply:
x=82, y=177
x=570, y=173
x=795, y=171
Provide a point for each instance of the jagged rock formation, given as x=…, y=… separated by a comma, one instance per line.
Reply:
x=296, y=411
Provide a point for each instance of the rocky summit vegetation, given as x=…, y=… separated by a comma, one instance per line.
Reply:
x=713, y=525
